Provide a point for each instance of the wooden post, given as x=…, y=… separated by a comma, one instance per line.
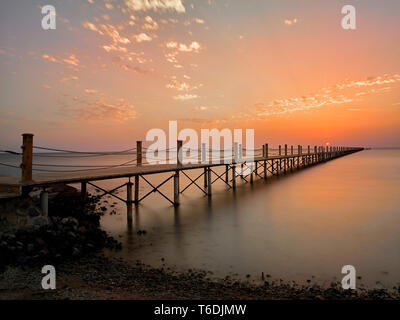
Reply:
x=234, y=177
x=263, y=152
x=291, y=150
x=266, y=150
x=265, y=169
x=251, y=174
x=44, y=202
x=226, y=173
x=139, y=156
x=83, y=190
x=280, y=150
x=285, y=161
x=129, y=200
x=209, y=182
x=203, y=153
x=27, y=155
x=309, y=150
x=137, y=178
x=176, y=188
x=299, y=150
x=235, y=152
x=179, y=153
x=205, y=177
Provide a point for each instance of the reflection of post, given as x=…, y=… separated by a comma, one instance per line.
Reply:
x=27, y=150
x=129, y=200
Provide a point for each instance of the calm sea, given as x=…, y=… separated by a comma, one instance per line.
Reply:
x=303, y=226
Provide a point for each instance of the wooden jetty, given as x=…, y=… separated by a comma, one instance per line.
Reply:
x=261, y=166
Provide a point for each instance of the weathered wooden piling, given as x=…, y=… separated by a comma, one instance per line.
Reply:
x=27, y=156
x=176, y=188
x=209, y=182
x=179, y=153
x=139, y=160
x=129, y=201
x=83, y=190
x=44, y=202
x=233, y=177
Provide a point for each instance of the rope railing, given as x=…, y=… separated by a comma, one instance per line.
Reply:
x=169, y=155
x=84, y=152
x=11, y=152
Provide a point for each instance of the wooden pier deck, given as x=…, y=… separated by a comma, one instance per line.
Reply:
x=46, y=179
x=243, y=168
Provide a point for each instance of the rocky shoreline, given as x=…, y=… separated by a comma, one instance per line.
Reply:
x=71, y=230
x=97, y=277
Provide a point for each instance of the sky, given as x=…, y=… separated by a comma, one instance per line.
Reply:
x=114, y=69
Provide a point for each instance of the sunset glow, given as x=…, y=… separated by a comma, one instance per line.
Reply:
x=114, y=69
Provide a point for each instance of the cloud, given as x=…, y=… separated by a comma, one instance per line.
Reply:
x=71, y=60
x=150, y=24
x=141, y=37
x=193, y=47
x=328, y=96
x=98, y=109
x=186, y=96
x=181, y=85
x=290, y=22
x=69, y=78
x=107, y=29
x=156, y=5
x=90, y=91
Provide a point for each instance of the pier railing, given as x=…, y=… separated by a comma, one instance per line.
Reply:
x=239, y=163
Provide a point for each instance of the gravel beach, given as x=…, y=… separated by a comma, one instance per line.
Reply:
x=98, y=277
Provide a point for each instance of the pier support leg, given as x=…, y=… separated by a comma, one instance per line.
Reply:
x=226, y=173
x=251, y=174
x=205, y=177
x=83, y=190
x=129, y=207
x=209, y=182
x=265, y=169
x=137, y=190
x=233, y=177
x=176, y=188
x=278, y=165
x=44, y=202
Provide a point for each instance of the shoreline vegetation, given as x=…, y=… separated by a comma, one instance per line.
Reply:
x=73, y=242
